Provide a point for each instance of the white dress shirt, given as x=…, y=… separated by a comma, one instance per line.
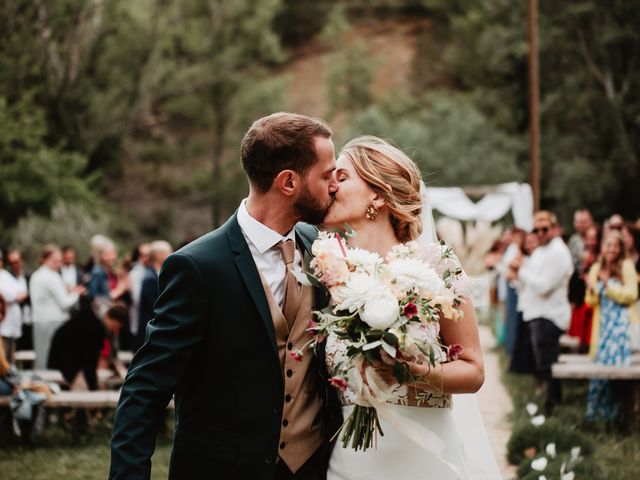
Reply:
x=136, y=275
x=11, y=326
x=266, y=255
x=50, y=300
x=545, y=284
x=69, y=275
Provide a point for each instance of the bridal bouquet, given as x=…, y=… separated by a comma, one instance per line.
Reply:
x=382, y=310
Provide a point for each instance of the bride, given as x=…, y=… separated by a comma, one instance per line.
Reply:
x=381, y=198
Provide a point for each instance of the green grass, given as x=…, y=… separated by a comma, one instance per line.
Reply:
x=59, y=456
x=609, y=454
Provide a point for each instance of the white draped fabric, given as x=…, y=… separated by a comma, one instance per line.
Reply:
x=517, y=197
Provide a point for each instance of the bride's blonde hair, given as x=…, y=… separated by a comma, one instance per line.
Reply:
x=394, y=176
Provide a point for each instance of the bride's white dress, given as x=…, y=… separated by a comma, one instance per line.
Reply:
x=456, y=421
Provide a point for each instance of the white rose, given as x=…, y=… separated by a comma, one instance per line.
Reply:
x=380, y=311
x=414, y=274
x=364, y=260
x=356, y=291
x=326, y=243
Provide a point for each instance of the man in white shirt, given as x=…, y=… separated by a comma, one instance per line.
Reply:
x=71, y=274
x=547, y=313
x=136, y=276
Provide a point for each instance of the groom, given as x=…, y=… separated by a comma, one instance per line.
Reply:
x=228, y=321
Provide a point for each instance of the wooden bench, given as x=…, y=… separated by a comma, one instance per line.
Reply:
x=96, y=399
x=29, y=356
x=567, y=342
x=105, y=377
x=625, y=380
x=584, y=358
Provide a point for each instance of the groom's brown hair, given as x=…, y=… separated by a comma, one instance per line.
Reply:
x=280, y=141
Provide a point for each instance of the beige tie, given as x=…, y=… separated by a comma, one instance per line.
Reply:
x=292, y=292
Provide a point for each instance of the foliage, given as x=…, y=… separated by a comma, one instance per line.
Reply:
x=59, y=456
x=68, y=224
x=35, y=176
x=526, y=436
x=447, y=136
x=606, y=452
x=589, y=52
x=349, y=79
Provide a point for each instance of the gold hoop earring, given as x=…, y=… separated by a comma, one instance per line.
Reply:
x=371, y=212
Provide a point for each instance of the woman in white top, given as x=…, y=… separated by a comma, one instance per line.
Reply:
x=50, y=302
x=11, y=325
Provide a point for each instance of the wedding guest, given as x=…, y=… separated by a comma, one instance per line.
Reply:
x=615, y=222
x=11, y=326
x=71, y=274
x=16, y=268
x=140, y=260
x=6, y=386
x=77, y=344
x=581, y=312
x=50, y=301
x=511, y=296
x=545, y=279
x=104, y=282
x=158, y=252
x=631, y=235
x=582, y=220
x=522, y=359
x=612, y=289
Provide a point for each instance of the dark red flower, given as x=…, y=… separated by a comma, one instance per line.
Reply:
x=454, y=351
x=338, y=382
x=410, y=310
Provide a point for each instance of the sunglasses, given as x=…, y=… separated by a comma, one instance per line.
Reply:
x=541, y=230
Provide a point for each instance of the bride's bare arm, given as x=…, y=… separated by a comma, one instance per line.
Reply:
x=466, y=374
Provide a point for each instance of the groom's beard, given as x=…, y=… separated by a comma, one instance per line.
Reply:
x=309, y=209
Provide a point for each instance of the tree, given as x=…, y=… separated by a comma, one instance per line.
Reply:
x=33, y=175
x=453, y=143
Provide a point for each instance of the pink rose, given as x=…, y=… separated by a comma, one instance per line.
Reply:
x=410, y=310
x=312, y=326
x=339, y=383
x=454, y=351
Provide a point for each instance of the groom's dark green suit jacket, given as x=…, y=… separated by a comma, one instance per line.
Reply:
x=212, y=344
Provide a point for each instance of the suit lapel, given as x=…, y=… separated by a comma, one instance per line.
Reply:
x=249, y=273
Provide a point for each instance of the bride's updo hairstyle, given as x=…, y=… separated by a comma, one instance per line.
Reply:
x=394, y=176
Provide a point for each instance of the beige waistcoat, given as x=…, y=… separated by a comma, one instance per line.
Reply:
x=302, y=431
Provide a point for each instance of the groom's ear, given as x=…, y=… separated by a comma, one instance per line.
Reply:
x=287, y=182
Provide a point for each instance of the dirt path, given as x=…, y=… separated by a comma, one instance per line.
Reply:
x=495, y=404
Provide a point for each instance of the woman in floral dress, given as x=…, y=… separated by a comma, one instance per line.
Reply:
x=612, y=290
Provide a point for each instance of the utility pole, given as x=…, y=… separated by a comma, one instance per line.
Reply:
x=534, y=100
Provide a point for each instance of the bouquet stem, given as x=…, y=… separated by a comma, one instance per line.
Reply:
x=361, y=428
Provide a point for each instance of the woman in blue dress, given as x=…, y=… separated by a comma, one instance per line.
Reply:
x=612, y=292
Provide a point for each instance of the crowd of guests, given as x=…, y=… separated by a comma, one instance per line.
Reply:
x=585, y=285
x=77, y=318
